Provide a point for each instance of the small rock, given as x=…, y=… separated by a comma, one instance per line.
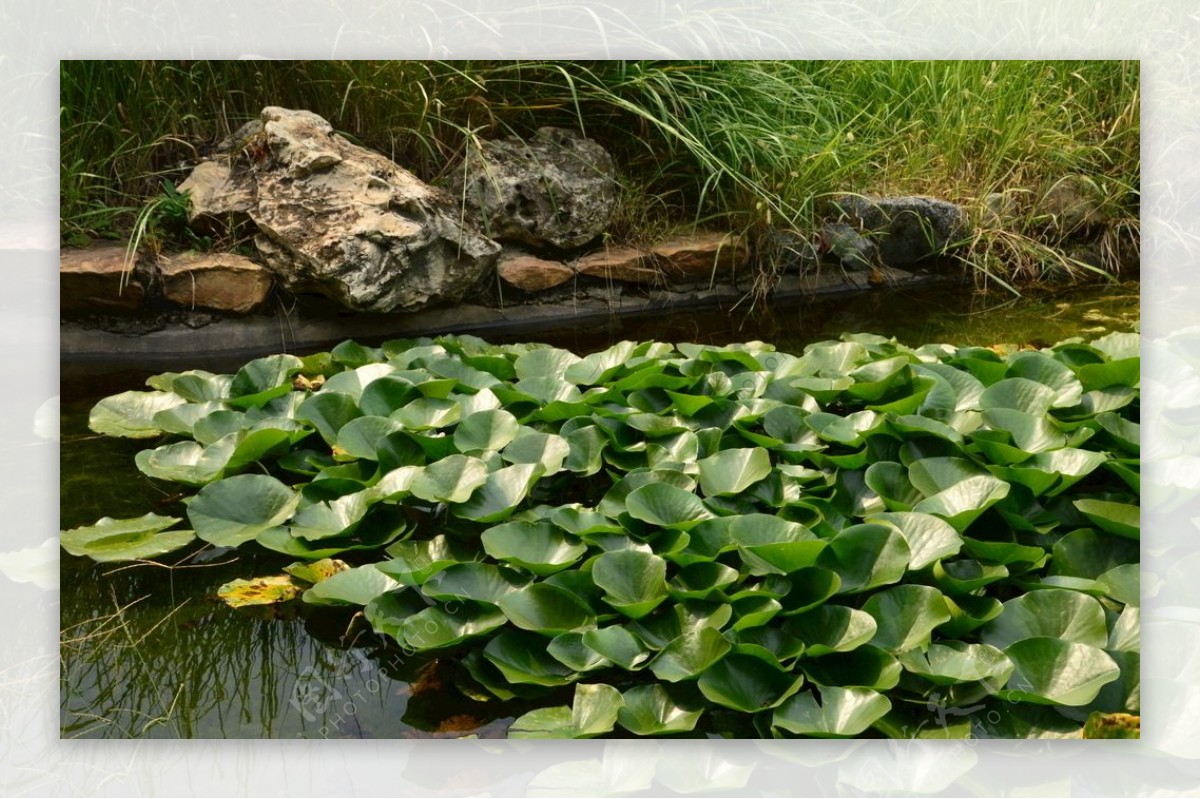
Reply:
x=219, y=281
x=1072, y=205
x=907, y=230
x=701, y=255
x=557, y=189
x=786, y=251
x=1002, y=210
x=619, y=263
x=530, y=273
x=851, y=248
x=96, y=279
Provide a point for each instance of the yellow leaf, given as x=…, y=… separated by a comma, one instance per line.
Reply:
x=259, y=591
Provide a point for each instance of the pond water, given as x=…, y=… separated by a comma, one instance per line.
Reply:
x=148, y=651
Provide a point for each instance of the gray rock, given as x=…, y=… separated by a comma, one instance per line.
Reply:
x=907, y=230
x=1071, y=205
x=786, y=251
x=557, y=189
x=340, y=219
x=851, y=248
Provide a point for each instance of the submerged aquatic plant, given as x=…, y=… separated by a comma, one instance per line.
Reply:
x=865, y=539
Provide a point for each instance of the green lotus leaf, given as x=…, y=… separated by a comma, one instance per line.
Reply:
x=1083, y=553
x=1126, y=633
x=1019, y=394
x=958, y=662
x=194, y=385
x=262, y=380
x=466, y=376
x=546, y=609
x=357, y=380
x=353, y=354
x=733, y=471
x=212, y=427
x=866, y=556
x=522, y=658
x=966, y=576
x=848, y=430
x=131, y=414
x=1123, y=583
x=1054, y=671
x=969, y=613
x=965, y=501
x=769, y=543
x=336, y=517
x=1117, y=518
x=232, y=511
x=328, y=411
x=600, y=367
x=386, y=394
x=1051, y=473
x=906, y=615
x=831, y=712
x=875, y=379
x=701, y=580
x=665, y=505
x=689, y=655
x=485, y=430
x=547, y=450
x=1028, y=433
x=181, y=419
x=544, y=362
x=428, y=413
x=831, y=628
x=439, y=627
x=356, y=586
x=585, y=450
x=1051, y=613
x=747, y=683
x=754, y=611
x=362, y=436
x=1045, y=369
x=658, y=709
x=1118, y=346
x=1007, y=553
x=414, y=562
x=929, y=538
x=502, y=491
x=570, y=650
x=864, y=667
x=126, y=539
x=634, y=582
x=582, y=521
x=890, y=481
x=677, y=620
x=280, y=539
x=593, y=712
x=538, y=547
x=810, y=587
x=452, y=479
x=1126, y=434
x=480, y=582
x=186, y=461
x=769, y=640
x=617, y=645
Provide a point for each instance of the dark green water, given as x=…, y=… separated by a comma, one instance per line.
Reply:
x=147, y=651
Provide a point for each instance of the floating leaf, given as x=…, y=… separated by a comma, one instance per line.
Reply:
x=546, y=609
x=480, y=582
x=832, y=628
x=1117, y=518
x=747, y=683
x=658, y=709
x=666, y=506
x=958, y=662
x=126, y=539
x=131, y=414
x=522, y=658
x=440, y=627
x=539, y=547
x=259, y=591
x=356, y=586
x=232, y=511
x=634, y=582
x=775, y=543
x=1054, y=613
x=452, y=479
x=1057, y=672
x=485, y=430
x=866, y=556
x=929, y=538
x=689, y=655
x=500, y=494
x=831, y=712
x=617, y=645
x=733, y=471
x=905, y=616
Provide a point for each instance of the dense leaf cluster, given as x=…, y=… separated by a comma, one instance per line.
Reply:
x=866, y=537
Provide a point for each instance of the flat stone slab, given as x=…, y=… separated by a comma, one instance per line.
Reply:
x=218, y=281
x=530, y=273
x=626, y=264
x=98, y=279
x=701, y=255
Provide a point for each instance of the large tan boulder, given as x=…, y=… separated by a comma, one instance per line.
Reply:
x=340, y=219
x=218, y=281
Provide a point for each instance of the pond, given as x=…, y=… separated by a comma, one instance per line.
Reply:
x=148, y=651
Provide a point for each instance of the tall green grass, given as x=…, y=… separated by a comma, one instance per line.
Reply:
x=735, y=143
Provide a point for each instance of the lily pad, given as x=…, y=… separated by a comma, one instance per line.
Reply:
x=538, y=547
x=232, y=511
x=1054, y=671
x=747, y=683
x=830, y=712
x=658, y=709
x=131, y=413
x=634, y=582
x=126, y=539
